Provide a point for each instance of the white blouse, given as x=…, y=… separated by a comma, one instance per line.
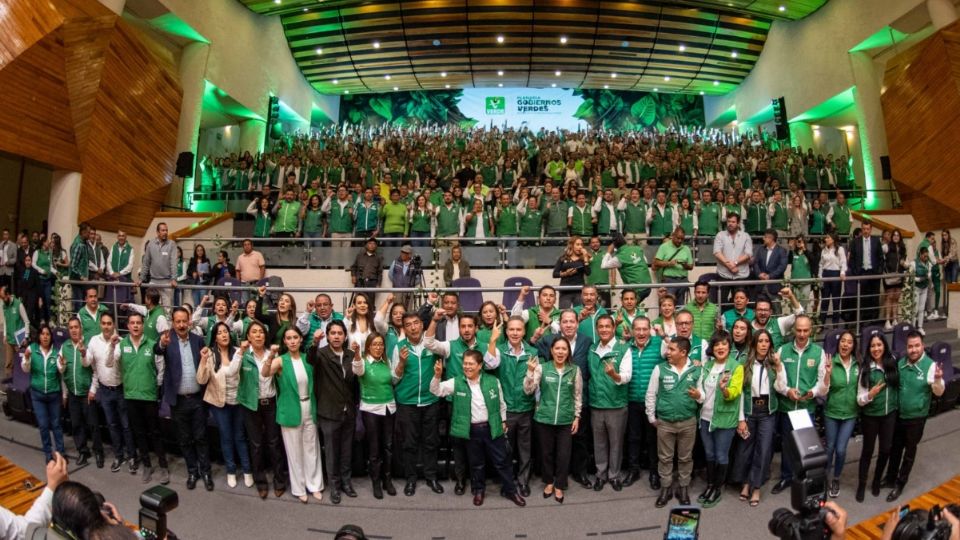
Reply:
x=833, y=260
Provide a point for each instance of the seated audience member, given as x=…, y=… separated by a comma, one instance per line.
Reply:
x=456, y=266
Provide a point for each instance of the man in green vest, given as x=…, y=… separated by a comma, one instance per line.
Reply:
x=605, y=214
x=803, y=362
x=287, y=215
x=709, y=218
x=633, y=214
x=154, y=318
x=90, y=314
x=449, y=215
x=417, y=409
x=673, y=261
x=541, y=319
x=611, y=368
x=631, y=262
x=598, y=276
x=920, y=379
x=77, y=378
x=511, y=358
x=588, y=312
x=313, y=323
x=580, y=217
x=777, y=213
x=644, y=353
x=661, y=219
x=120, y=268
x=506, y=220
x=705, y=313
x=673, y=411
x=839, y=216
x=779, y=327
x=339, y=213
x=757, y=214
x=16, y=326
x=556, y=212
x=142, y=374
x=479, y=417
x=79, y=264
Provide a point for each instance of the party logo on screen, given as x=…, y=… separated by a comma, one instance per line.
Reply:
x=496, y=105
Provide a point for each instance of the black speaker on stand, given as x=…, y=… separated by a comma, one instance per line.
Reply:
x=185, y=165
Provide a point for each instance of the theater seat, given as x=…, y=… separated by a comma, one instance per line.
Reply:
x=866, y=335
x=510, y=297
x=831, y=341
x=60, y=335
x=235, y=296
x=900, y=332
x=470, y=301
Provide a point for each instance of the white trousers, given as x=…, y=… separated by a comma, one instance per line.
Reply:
x=303, y=454
x=921, y=305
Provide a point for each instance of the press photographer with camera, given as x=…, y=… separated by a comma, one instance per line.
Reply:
x=935, y=524
x=404, y=272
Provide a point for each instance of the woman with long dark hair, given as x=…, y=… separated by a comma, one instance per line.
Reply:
x=878, y=396
x=198, y=270
x=40, y=361
x=840, y=378
x=220, y=371
x=894, y=262
x=377, y=410
x=833, y=264
x=388, y=322
x=742, y=334
x=284, y=317
x=359, y=321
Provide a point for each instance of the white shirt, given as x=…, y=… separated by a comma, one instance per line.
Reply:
x=626, y=363
x=106, y=366
x=708, y=384
x=866, y=253
x=478, y=407
x=15, y=527
x=359, y=368
x=833, y=260
x=267, y=389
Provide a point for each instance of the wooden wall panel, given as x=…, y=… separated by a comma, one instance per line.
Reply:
x=22, y=24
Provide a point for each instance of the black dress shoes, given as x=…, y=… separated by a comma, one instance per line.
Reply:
x=616, y=484
x=335, y=496
x=191, y=481
x=631, y=478
x=524, y=490
x=348, y=490
x=654, y=481
x=780, y=486
x=583, y=480
x=99, y=459
x=83, y=459
x=435, y=486
x=208, y=482
x=895, y=493
x=410, y=489
x=459, y=489
x=478, y=498
x=516, y=499
x=665, y=495
x=682, y=496
x=598, y=485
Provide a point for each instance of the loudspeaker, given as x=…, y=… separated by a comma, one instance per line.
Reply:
x=885, y=167
x=185, y=165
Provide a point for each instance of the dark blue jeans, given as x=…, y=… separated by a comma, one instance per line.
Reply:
x=830, y=294
x=46, y=292
x=481, y=447
x=423, y=238
x=233, y=437
x=756, y=451
x=716, y=443
x=115, y=411
x=838, y=435
x=46, y=407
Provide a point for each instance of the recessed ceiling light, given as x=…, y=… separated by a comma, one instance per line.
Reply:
x=319, y=50
x=500, y=73
x=276, y=2
x=443, y=73
x=436, y=43
x=656, y=89
x=500, y=85
x=733, y=54
x=553, y=85
x=563, y=40
x=557, y=73
x=346, y=91
x=782, y=8
x=395, y=88
x=306, y=9
x=624, y=43
x=499, y=39
x=446, y=86
x=667, y=78
x=716, y=83
x=702, y=92
x=376, y=44
x=613, y=75
x=387, y=77
x=335, y=81
x=606, y=86
x=682, y=48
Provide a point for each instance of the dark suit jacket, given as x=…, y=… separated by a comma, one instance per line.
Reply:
x=855, y=268
x=426, y=315
x=448, y=270
x=173, y=369
x=581, y=349
x=776, y=267
x=334, y=383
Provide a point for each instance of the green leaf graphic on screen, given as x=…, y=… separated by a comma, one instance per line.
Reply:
x=496, y=105
x=645, y=110
x=383, y=106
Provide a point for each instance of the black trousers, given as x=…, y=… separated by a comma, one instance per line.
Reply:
x=144, y=419
x=456, y=446
x=519, y=442
x=263, y=434
x=338, y=447
x=85, y=422
x=418, y=431
x=906, y=437
x=869, y=301
x=556, y=443
x=876, y=428
x=480, y=447
x=641, y=439
x=190, y=417
x=379, y=433
x=581, y=454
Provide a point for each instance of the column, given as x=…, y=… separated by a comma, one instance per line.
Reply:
x=871, y=129
x=115, y=6
x=252, y=133
x=801, y=134
x=193, y=67
x=942, y=13
x=64, y=209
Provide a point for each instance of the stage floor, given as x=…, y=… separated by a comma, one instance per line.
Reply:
x=239, y=513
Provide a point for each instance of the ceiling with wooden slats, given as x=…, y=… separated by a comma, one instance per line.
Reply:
x=705, y=46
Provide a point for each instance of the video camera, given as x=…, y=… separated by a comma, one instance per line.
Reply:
x=155, y=503
x=923, y=525
x=808, y=492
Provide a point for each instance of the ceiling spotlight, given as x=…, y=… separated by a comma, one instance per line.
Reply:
x=387, y=77
x=446, y=86
x=500, y=73
x=443, y=73
x=395, y=88
x=346, y=91
x=500, y=85
x=319, y=50
x=656, y=89
x=306, y=9
x=335, y=81
x=667, y=78
x=606, y=86
x=553, y=85
x=624, y=43
x=277, y=2
x=499, y=39
x=613, y=75
x=702, y=92
x=682, y=48
x=782, y=8
x=563, y=40
x=436, y=43
x=376, y=44
x=557, y=73
x=716, y=83
x=733, y=54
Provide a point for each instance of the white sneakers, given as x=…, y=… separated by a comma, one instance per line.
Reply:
x=888, y=327
x=232, y=480
x=922, y=333
x=248, y=480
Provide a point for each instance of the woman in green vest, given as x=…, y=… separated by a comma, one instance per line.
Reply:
x=490, y=315
x=43, y=262
x=718, y=391
x=478, y=223
x=557, y=416
x=388, y=322
x=763, y=377
x=377, y=410
x=421, y=221
x=311, y=216
x=800, y=269
x=878, y=395
x=279, y=321
x=240, y=326
x=840, y=378
x=40, y=361
x=818, y=218
x=739, y=310
x=296, y=413
x=742, y=334
x=687, y=219
x=259, y=208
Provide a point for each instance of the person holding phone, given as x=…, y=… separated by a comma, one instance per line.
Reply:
x=803, y=361
x=840, y=378
x=671, y=407
x=718, y=391
x=557, y=415
x=878, y=396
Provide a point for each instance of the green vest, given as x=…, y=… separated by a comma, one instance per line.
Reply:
x=288, y=395
x=312, y=221
x=686, y=223
x=709, y=219
x=704, y=320
x=726, y=412
x=603, y=220
x=511, y=372
x=531, y=223
x=139, y=369
x=633, y=265
x=366, y=218
x=748, y=392
x=315, y=324
x=557, y=395
x=507, y=223
x=776, y=336
x=634, y=218
x=484, y=222
x=454, y=364
x=76, y=376
x=420, y=221
x=598, y=276
x=557, y=217
x=12, y=321
x=460, y=417
x=818, y=220
x=731, y=315
x=604, y=392
x=376, y=386
x=673, y=404
x=581, y=224
x=248, y=388
x=533, y=321
x=261, y=225
x=779, y=220
x=915, y=393
x=841, y=219
x=45, y=263
x=800, y=268
x=588, y=326
x=662, y=223
x=90, y=323
x=887, y=401
x=119, y=257
x=448, y=220
x=842, y=398
x=643, y=364
x=802, y=368
x=44, y=375
x=150, y=323
x=414, y=387
x=756, y=222
x=340, y=218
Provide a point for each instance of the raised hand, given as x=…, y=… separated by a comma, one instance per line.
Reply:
x=262, y=290
x=318, y=335
x=532, y=364
x=877, y=389
x=164, y=340
x=350, y=311
x=775, y=362
x=433, y=297
x=114, y=339
x=439, y=314
x=244, y=345
x=310, y=305
x=274, y=350
x=693, y=393
x=438, y=369
x=524, y=291
x=938, y=372
x=390, y=298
